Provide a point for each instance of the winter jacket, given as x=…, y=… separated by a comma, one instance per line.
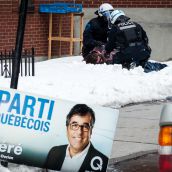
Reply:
x=95, y=34
x=131, y=41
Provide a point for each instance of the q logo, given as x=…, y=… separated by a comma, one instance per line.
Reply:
x=96, y=163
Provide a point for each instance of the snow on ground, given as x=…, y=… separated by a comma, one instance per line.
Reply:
x=108, y=85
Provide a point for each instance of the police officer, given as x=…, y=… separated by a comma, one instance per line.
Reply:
x=96, y=30
x=129, y=41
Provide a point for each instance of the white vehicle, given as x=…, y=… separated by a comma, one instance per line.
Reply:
x=165, y=139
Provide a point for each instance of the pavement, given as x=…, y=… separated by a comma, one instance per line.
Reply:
x=137, y=131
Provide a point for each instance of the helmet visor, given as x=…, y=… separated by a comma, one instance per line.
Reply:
x=106, y=14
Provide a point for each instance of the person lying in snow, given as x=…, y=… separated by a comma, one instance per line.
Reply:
x=97, y=56
x=127, y=45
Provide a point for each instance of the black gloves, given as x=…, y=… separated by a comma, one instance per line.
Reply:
x=98, y=43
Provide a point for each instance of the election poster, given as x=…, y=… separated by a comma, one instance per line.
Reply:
x=55, y=134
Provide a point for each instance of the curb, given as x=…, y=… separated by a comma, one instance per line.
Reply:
x=113, y=161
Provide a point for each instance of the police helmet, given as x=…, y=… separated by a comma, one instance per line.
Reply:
x=115, y=14
x=104, y=8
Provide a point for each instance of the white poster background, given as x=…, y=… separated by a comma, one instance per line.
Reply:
x=36, y=144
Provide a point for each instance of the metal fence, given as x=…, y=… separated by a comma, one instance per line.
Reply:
x=27, y=63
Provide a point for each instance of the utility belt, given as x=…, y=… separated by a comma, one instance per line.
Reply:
x=133, y=44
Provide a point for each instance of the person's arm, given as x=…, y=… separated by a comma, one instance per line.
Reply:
x=145, y=39
x=144, y=35
x=88, y=38
x=111, y=41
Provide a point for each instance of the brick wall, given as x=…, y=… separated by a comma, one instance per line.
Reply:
x=127, y=3
x=36, y=33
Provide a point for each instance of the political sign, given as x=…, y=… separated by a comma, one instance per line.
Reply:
x=40, y=131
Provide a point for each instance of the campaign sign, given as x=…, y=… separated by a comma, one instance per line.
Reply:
x=33, y=132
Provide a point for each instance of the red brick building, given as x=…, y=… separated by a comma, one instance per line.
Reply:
x=36, y=32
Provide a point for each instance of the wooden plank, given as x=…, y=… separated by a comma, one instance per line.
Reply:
x=65, y=39
x=71, y=33
x=61, y=38
x=60, y=33
x=50, y=36
x=81, y=30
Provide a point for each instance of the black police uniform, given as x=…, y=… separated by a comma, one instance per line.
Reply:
x=131, y=41
x=95, y=34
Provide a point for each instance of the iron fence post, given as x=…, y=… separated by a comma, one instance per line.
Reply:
x=19, y=43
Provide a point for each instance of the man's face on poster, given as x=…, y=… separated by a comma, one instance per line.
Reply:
x=79, y=132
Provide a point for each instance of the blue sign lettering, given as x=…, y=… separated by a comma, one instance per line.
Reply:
x=28, y=107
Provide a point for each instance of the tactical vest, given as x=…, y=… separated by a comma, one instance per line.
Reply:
x=129, y=35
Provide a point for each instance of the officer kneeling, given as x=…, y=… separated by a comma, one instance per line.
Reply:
x=127, y=40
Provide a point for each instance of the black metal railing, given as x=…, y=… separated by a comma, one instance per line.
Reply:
x=27, y=63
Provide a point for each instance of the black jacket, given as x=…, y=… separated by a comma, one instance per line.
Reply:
x=130, y=40
x=95, y=34
x=57, y=155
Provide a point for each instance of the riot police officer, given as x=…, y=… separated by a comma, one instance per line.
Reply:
x=129, y=41
x=96, y=30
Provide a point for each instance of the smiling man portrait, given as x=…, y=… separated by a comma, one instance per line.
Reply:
x=79, y=154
